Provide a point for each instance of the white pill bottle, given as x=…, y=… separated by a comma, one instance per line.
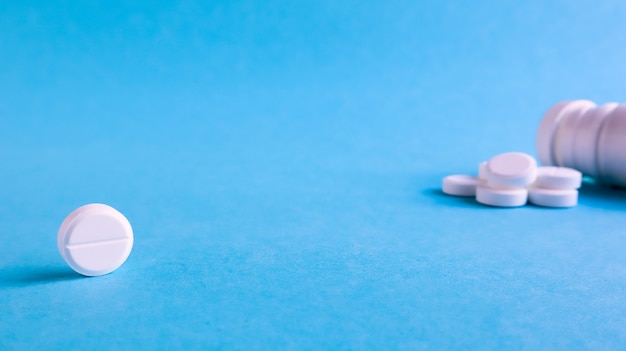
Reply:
x=590, y=138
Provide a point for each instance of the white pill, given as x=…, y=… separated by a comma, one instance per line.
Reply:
x=95, y=239
x=553, y=197
x=564, y=137
x=550, y=125
x=586, y=138
x=460, y=185
x=511, y=170
x=482, y=171
x=499, y=197
x=550, y=177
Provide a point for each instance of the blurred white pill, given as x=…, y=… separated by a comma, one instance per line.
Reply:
x=499, y=197
x=511, y=170
x=460, y=185
x=550, y=177
x=564, y=139
x=95, y=239
x=482, y=171
x=549, y=126
x=585, y=139
x=553, y=197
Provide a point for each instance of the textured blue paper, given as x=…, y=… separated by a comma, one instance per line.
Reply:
x=280, y=163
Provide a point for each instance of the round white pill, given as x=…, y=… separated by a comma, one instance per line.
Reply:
x=553, y=197
x=549, y=127
x=95, y=239
x=460, y=185
x=550, y=177
x=498, y=197
x=482, y=170
x=563, y=140
x=585, y=140
x=511, y=170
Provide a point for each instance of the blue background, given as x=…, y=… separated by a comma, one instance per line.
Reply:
x=280, y=163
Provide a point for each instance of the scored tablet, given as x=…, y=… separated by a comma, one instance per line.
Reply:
x=95, y=239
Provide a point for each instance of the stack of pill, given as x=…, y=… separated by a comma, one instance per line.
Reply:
x=587, y=137
x=512, y=179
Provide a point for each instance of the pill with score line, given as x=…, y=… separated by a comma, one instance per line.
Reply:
x=95, y=239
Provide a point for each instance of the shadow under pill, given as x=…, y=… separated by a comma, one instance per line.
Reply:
x=462, y=201
x=26, y=276
x=445, y=199
x=597, y=194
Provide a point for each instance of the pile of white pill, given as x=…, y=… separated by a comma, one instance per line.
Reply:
x=95, y=239
x=512, y=179
x=587, y=137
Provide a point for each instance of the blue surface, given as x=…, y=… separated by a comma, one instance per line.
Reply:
x=281, y=163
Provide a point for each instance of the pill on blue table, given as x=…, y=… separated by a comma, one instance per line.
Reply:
x=95, y=239
x=482, y=170
x=550, y=125
x=553, y=197
x=499, y=197
x=550, y=177
x=460, y=185
x=511, y=170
